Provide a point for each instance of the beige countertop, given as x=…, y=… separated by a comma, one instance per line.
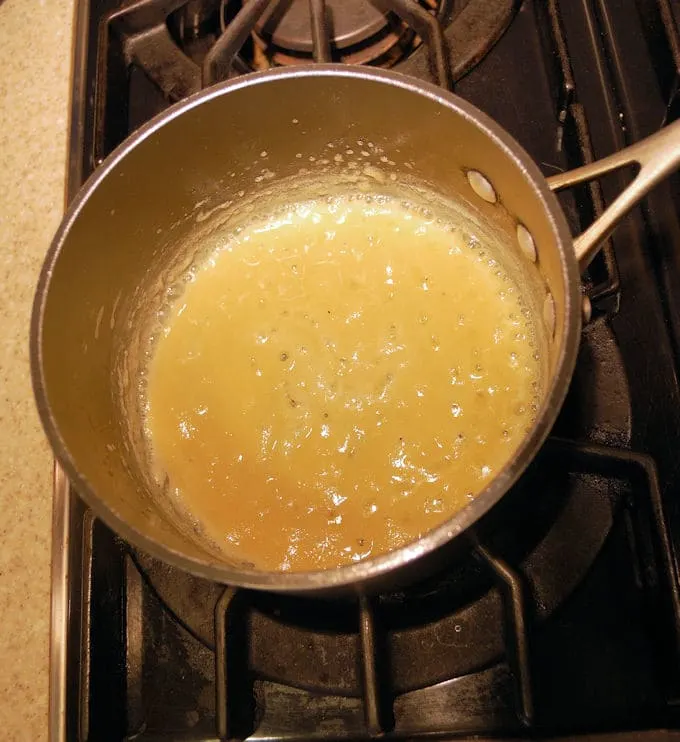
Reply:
x=35, y=60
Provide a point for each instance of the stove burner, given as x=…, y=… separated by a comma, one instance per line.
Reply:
x=352, y=22
x=154, y=53
x=316, y=644
x=361, y=32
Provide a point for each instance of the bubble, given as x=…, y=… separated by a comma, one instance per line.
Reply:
x=370, y=508
x=434, y=505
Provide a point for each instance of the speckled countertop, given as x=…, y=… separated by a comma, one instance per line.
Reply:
x=35, y=60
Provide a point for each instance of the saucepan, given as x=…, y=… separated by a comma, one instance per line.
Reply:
x=237, y=140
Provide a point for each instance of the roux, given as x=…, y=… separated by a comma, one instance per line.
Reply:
x=338, y=379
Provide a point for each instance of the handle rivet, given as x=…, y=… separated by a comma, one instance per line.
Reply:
x=526, y=243
x=481, y=185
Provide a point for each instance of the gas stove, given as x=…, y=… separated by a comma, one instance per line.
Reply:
x=566, y=623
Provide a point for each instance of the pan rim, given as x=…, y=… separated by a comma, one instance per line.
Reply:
x=360, y=575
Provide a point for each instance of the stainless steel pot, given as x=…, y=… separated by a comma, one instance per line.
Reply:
x=146, y=198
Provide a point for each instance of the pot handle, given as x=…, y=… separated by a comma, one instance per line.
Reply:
x=658, y=156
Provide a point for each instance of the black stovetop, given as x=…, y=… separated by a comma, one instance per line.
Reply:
x=568, y=622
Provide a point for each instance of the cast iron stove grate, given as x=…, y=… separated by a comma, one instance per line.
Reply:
x=183, y=46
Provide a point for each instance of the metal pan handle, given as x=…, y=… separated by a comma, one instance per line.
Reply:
x=658, y=156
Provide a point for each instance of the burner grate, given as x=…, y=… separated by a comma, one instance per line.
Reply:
x=180, y=46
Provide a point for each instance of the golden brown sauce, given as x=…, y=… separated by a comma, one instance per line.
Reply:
x=337, y=381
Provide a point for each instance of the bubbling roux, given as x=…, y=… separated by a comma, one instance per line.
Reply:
x=338, y=379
